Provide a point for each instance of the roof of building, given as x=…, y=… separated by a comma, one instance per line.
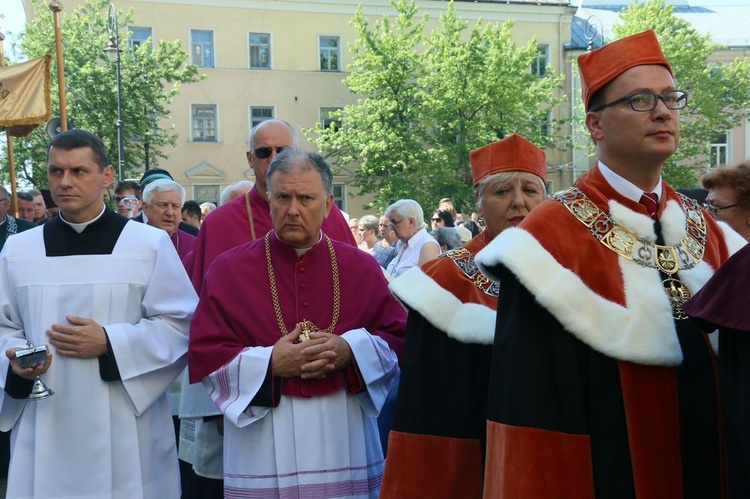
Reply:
x=727, y=24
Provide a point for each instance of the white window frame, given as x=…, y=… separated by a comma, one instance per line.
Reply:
x=250, y=46
x=197, y=58
x=206, y=122
x=324, y=116
x=198, y=187
x=540, y=64
x=717, y=149
x=327, y=51
x=339, y=195
x=135, y=42
x=255, y=120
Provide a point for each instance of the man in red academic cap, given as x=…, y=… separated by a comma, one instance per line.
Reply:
x=436, y=444
x=297, y=354
x=600, y=387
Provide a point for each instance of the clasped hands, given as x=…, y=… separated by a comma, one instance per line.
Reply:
x=322, y=354
x=83, y=339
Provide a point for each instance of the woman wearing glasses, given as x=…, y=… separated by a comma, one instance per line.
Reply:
x=435, y=447
x=728, y=197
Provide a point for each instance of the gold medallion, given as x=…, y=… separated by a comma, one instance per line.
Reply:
x=678, y=294
x=307, y=328
x=666, y=259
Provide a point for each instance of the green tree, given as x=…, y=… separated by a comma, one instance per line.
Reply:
x=426, y=100
x=151, y=77
x=719, y=93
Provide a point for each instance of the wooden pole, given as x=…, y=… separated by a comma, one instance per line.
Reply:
x=11, y=161
x=56, y=7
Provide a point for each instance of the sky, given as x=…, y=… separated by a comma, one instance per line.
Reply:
x=13, y=22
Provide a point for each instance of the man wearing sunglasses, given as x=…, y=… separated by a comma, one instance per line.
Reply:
x=600, y=385
x=239, y=221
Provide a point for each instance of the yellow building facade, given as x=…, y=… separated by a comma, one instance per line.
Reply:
x=286, y=59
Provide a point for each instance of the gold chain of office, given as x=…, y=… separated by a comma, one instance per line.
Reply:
x=668, y=259
x=307, y=327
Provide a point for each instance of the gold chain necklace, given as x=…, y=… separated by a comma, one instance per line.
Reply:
x=306, y=326
x=667, y=259
x=250, y=215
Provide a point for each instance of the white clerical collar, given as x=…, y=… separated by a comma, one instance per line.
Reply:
x=624, y=186
x=81, y=226
x=301, y=251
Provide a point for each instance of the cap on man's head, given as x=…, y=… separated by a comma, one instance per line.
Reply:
x=512, y=154
x=600, y=66
x=154, y=174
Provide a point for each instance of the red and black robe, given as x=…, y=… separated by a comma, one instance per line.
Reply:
x=596, y=391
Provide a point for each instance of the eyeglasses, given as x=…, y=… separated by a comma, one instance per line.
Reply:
x=436, y=219
x=393, y=223
x=4, y=199
x=265, y=152
x=647, y=101
x=714, y=210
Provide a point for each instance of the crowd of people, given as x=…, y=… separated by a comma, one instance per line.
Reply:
x=582, y=344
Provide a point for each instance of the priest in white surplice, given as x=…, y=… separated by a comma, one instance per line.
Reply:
x=300, y=415
x=113, y=303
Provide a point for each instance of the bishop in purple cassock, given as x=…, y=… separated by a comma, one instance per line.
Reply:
x=296, y=338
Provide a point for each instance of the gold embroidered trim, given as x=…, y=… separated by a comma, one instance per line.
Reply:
x=464, y=260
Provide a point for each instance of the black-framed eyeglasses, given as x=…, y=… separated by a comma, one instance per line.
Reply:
x=714, y=210
x=647, y=101
x=265, y=152
x=436, y=219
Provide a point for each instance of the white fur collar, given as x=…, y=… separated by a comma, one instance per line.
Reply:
x=466, y=322
x=642, y=331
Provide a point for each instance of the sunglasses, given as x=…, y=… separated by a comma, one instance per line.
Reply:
x=436, y=219
x=265, y=152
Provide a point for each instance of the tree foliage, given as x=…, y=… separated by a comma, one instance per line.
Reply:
x=427, y=99
x=151, y=77
x=719, y=93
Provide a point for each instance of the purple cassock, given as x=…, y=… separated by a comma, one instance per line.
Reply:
x=230, y=225
x=183, y=242
x=294, y=437
x=723, y=304
x=236, y=311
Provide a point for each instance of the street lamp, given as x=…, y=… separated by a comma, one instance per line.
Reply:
x=113, y=53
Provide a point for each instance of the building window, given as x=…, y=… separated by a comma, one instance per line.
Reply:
x=719, y=150
x=207, y=193
x=545, y=126
x=260, y=114
x=326, y=120
x=202, y=48
x=339, y=196
x=260, y=51
x=138, y=36
x=330, y=53
x=539, y=66
x=204, y=122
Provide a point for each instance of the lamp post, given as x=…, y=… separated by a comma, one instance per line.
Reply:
x=113, y=53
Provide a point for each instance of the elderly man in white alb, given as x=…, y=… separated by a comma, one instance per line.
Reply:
x=415, y=245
